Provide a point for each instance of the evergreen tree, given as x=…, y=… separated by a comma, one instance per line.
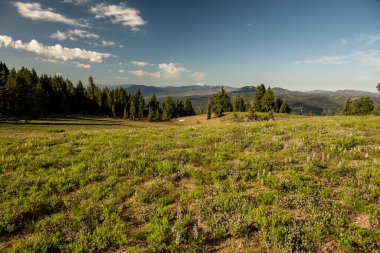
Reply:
x=126, y=113
x=141, y=106
x=220, y=102
x=150, y=114
x=153, y=103
x=377, y=107
x=3, y=90
x=189, y=110
x=209, y=110
x=257, y=98
x=169, y=108
x=347, y=107
x=267, y=101
x=179, y=108
x=133, y=108
x=277, y=104
x=284, y=107
x=158, y=114
x=362, y=106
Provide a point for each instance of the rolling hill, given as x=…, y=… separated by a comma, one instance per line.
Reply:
x=315, y=101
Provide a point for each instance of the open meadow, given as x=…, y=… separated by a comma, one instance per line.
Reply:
x=295, y=184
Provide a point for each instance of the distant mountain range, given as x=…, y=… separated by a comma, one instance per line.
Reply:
x=311, y=101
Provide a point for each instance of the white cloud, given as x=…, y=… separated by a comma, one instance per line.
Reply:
x=171, y=70
x=77, y=2
x=53, y=52
x=107, y=43
x=34, y=11
x=369, y=58
x=120, y=71
x=120, y=14
x=144, y=73
x=326, y=60
x=140, y=63
x=198, y=75
x=82, y=65
x=369, y=39
x=73, y=35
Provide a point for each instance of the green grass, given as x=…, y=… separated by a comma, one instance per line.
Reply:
x=296, y=184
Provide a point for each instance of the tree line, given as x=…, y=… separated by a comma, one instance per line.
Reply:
x=263, y=101
x=24, y=94
x=361, y=106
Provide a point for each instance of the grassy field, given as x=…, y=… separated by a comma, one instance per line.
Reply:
x=296, y=184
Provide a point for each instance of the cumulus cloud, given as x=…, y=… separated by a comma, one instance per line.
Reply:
x=73, y=35
x=326, y=60
x=35, y=11
x=171, y=70
x=56, y=52
x=139, y=63
x=119, y=14
x=144, y=73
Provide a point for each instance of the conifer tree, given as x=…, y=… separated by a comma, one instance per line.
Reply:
x=267, y=101
x=188, y=107
x=277, y=104
x=209, y=110
x=220, y=102
x=347, y=107
x=257, y=98
x=150, y=114
x=285, y=108
x=126, y=113
x=158, y=114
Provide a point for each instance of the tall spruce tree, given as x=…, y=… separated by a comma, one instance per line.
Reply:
x=267, y=101
x=257, y=98
x=189, y=110
x=347, y=107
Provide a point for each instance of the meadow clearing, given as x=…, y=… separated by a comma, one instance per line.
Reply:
x=296, y=184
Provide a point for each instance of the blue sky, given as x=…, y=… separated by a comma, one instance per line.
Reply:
x=294, y=44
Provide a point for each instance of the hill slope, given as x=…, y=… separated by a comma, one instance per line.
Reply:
x=301, y=102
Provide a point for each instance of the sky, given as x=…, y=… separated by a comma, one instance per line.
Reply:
x=294, y=44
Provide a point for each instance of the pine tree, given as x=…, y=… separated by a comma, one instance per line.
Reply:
x=285, y=108
x=158, y=114
x=362, y=106
x=189, y=110
x=257, y=98
x=267, y=101
x=153, y=103
x=347, y=108
x=220, y=102
x=150, y=114
x=209, y=110
x=133, y=108
x=277, y=104
x=169, y=108
x=126, y=113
